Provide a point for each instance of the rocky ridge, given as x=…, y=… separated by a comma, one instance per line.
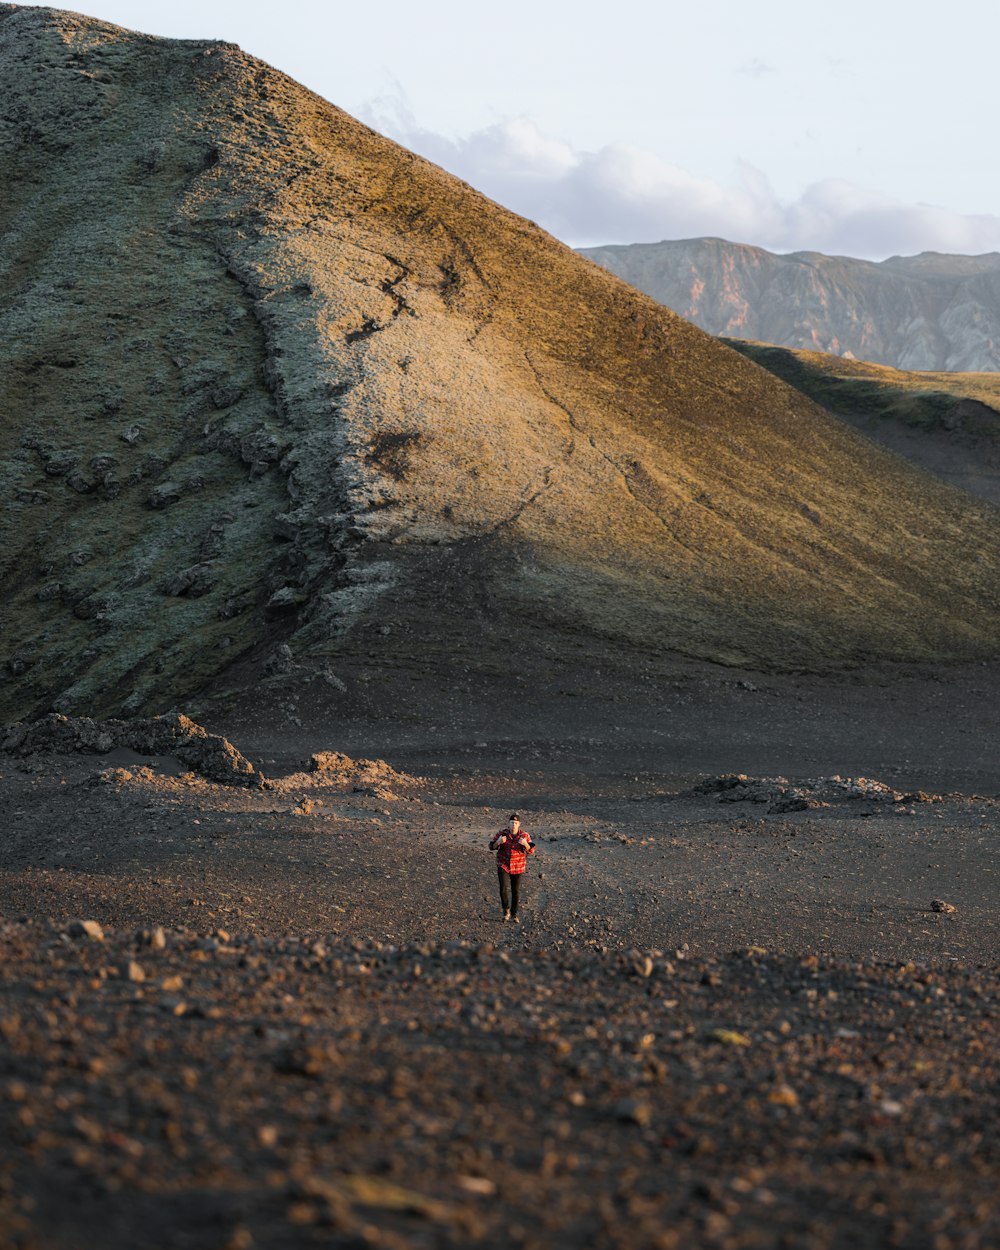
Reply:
x=931, y=311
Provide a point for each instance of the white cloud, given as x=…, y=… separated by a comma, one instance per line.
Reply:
x=756, y=68
x=626, y=194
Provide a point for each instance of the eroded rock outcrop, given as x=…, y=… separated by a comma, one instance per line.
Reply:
x=209, y=754
x=782, y=795
x=336, y=771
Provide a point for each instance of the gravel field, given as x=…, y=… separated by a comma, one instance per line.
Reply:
x=232, y=1091
x=298, y=1019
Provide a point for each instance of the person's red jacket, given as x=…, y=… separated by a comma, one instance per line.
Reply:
x=512, y=849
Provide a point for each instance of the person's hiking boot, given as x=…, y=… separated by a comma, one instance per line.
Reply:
x=506, y=917
x=516, y=919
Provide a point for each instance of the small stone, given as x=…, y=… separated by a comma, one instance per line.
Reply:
x=728, y=1037
x=783, y=1096
x=938, y=904
x=280, y=662
x=86, y=928
x=305, y=1060
x=302, y=1213
x=164, y=495
x=633, y=1111
x=157, y=939
x=132, y=971
x=478, y=1185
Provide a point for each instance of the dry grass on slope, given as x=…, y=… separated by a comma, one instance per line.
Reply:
x=352, y=374
x=668, y=492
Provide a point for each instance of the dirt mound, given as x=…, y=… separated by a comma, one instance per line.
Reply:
x=783, y=795
x=175, y=735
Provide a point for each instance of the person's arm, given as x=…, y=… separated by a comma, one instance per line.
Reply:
x=526, y=844
x=498, y=839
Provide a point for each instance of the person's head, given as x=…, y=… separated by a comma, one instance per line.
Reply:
x=514, y=821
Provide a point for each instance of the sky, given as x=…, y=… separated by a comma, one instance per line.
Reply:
x=861, y=128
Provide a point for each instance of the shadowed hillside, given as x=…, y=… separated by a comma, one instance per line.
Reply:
x=931, y=311
x=947, y=423
x=269, y=378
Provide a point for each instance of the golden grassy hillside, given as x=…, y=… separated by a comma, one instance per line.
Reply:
x=267, y=376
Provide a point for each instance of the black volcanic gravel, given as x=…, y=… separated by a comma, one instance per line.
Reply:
x=300, y=1092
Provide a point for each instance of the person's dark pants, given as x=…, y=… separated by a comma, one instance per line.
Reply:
x=510, y=889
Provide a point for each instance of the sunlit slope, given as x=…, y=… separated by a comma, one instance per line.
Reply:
x=267, y=376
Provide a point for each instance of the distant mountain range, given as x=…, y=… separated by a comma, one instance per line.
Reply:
x=930, y=311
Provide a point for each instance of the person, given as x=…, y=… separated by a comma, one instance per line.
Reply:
x=513, y=845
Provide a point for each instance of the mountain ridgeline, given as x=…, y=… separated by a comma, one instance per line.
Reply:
x=273, y=386
x=931, y=311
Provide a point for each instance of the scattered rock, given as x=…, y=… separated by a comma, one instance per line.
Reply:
x=280, y=662
x=640, y=965
x=728, y=1037
x=481, y=1185
x=633, y=1111
x=782, y=795
x=165, y=494
x=783, y=1096
x=376, y=792
x=192, y=582
x=310, y=1061
x=939, y=905
x=155, y=939
x=85, y=929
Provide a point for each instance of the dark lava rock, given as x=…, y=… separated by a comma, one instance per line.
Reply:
x=174, y=734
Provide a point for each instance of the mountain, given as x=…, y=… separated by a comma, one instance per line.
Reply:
x=279, y=395
x=910, y=312
x=947, y=423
